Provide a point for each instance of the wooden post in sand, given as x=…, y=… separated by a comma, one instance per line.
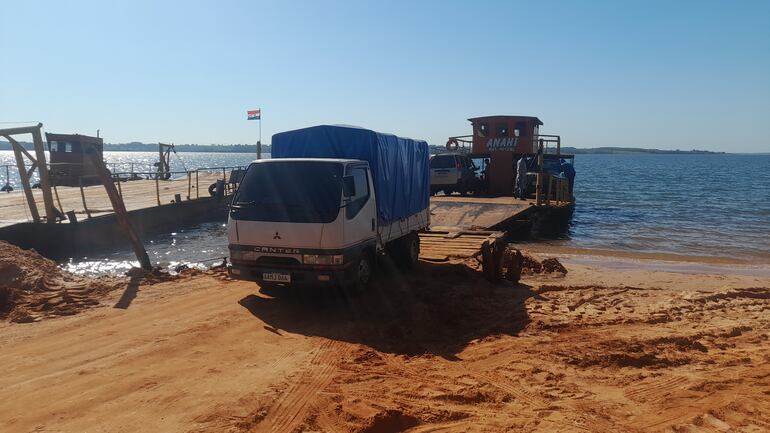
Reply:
x=492, y=253
x=119, y=207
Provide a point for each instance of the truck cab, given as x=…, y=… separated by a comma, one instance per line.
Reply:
x=304, y=221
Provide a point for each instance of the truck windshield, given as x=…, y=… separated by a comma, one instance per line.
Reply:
x=291, y=191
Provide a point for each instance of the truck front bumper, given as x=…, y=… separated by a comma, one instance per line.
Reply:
x=298, y=276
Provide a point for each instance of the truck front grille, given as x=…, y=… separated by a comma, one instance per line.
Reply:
x=272, y=260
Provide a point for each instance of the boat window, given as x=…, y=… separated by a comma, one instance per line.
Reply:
x=502, y=130
x=300, y=192
x=521, y=127
x=62, y=146
x=361, y=181
x=483, y=130
x=480, y=163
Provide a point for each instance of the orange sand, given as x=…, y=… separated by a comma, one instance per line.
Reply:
x=436, y=350
x=33, y=287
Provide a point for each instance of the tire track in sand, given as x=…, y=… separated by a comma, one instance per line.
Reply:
x=657, y=390
x=290, y=409
x=539, y=404
x=223, y=417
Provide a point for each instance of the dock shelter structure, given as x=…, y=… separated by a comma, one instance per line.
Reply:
x=69, y=161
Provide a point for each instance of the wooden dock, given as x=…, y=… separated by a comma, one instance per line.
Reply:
x=137, y=194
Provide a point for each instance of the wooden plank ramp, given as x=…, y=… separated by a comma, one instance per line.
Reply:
x=436, y=245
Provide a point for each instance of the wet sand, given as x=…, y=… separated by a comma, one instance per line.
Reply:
x=597, y=349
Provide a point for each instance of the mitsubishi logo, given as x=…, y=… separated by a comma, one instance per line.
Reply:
x=277, y=236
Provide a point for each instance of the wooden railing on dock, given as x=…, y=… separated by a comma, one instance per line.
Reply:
x=137, y=189
x=193, y=181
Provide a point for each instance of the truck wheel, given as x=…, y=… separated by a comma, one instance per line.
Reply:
x=411, y=250
x=407, y=251
x=463, y=188
x=448, y=191
x=362, y=276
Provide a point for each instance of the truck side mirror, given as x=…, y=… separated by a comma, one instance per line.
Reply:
x=348, y=186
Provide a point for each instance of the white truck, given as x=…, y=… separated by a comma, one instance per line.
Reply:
x=330, y=201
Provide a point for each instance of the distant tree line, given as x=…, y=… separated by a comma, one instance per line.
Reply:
x=153, y=147
x=605, y=151
x=631, y=150
x=266, y=148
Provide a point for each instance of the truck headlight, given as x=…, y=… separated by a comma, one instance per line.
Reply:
x=319, y=259
x=243, y=255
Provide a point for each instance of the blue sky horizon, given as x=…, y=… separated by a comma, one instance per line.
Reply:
x=653, y=74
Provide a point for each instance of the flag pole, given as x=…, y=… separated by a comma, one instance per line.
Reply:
x=259, y=143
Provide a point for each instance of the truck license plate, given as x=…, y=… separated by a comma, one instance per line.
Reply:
x=277, y=277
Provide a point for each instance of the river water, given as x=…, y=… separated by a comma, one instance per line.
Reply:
x=704, y=205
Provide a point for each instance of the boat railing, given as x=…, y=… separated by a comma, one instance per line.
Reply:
x=550, y=143
x=460, y=143
x=558, y=191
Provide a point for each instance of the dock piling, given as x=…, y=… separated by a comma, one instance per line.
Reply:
x=157, y=190
x=121, y=215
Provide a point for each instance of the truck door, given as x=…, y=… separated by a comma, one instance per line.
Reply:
x=361, y=209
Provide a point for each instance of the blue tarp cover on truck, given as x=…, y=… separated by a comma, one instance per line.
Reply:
x=399, y=165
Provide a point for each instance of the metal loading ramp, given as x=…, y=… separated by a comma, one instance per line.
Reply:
x=456, y=214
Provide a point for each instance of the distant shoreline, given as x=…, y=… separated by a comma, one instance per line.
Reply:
x=153, y=147
x=635, y=151
x=266, y=148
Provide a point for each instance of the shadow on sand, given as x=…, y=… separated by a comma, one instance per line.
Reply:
x=436, y=309
x=132, y=288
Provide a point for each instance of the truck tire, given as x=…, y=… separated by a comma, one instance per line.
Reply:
x=406, y=251
x=362, y=275
x=412, y=247
x=448, y=191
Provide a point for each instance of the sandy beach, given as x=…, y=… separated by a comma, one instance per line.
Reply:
x=440, y=349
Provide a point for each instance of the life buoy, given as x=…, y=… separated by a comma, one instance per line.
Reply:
x=452, y=144
x=213, y=189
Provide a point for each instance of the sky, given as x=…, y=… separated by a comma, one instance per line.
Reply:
x=656, y=74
